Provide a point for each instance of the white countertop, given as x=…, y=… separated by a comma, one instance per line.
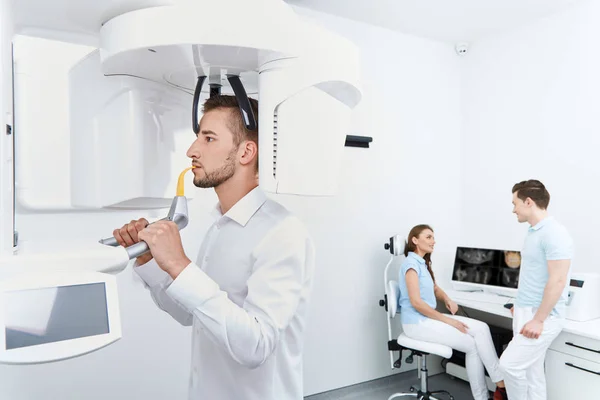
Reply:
x=589, y=329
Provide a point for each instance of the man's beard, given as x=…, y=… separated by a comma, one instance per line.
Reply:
x=220, y=175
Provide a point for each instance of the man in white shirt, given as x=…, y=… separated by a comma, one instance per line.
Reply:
x=247, y=295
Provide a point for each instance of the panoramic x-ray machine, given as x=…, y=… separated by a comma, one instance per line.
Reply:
x=154, y=59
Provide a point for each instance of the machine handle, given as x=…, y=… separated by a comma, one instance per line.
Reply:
x=111, y=241
x=177, y=213
x=137, y=250
x=582, y=348
x=133, y=251
x=581, y=368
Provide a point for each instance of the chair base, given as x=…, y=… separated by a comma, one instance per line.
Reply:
x=423, y=392
x=421, y=395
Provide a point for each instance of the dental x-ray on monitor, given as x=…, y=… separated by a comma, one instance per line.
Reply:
x=488, y=270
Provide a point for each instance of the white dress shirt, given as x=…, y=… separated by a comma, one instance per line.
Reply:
x=246, y=297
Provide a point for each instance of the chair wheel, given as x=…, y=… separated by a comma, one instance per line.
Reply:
x=412, y=389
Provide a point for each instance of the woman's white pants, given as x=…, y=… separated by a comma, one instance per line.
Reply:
x=477, y=344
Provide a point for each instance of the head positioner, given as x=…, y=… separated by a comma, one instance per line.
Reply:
x=307, y=78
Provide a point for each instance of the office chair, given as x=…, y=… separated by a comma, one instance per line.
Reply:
x=415, y=347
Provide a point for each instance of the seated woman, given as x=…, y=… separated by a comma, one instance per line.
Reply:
x=421, y=321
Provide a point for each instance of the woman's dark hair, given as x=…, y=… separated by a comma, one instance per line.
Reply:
x=410, y=246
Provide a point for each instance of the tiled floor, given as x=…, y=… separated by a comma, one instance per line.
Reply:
x=382, y=389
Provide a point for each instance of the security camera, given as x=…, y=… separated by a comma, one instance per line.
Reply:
x=461, y=48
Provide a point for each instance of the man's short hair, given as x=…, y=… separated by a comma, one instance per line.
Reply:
x=237, y=125
x=533, y=189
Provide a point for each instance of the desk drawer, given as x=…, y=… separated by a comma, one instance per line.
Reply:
x=577, y=346
x=569, y=377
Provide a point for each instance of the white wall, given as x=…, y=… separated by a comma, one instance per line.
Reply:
x=409, y=175
x=531, y=101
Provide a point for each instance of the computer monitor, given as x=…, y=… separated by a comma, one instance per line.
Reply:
x=489, y=270
x=54, y=316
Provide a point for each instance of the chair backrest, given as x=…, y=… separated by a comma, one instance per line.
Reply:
x=393, y=296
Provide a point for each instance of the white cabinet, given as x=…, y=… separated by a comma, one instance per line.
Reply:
x=573, y=367
x=578, y=346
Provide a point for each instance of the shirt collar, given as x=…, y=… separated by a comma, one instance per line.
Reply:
x=540, y=224
x=245, y=208
x=417, y=257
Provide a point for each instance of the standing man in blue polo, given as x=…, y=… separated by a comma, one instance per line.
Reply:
x=539, y=312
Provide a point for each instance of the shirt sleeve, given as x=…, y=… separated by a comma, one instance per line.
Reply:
x=157, y=281
x=558, y=245
x=405, y=267
x=250, y=333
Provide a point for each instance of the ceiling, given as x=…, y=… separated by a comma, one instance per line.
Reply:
x=445, y=20
x=73, y=20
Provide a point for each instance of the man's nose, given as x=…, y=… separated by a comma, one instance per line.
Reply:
x=193, y=150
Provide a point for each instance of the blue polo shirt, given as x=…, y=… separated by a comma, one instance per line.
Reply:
x=546, y=241
x=408, y=314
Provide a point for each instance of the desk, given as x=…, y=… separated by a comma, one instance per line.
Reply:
x=589, y=329
x=573, y=357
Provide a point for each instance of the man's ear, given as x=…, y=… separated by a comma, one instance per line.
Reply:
x=249, y=152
